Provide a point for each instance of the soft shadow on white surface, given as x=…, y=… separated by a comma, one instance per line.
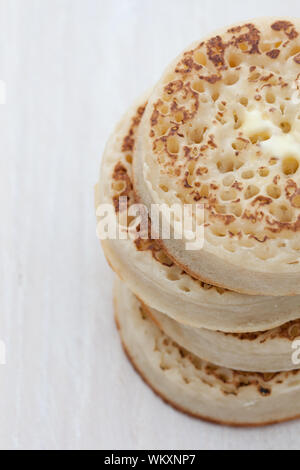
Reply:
x=72, y=67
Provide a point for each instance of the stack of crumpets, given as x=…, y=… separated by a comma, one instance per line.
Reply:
x=212, y=325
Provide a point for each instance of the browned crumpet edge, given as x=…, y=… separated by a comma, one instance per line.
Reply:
x=176, y=407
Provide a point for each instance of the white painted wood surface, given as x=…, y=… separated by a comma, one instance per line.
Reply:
x=71, y=68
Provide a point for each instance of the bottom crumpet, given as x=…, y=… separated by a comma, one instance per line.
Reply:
x=197, y=387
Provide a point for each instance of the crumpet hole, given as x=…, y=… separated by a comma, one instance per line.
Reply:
x=248, y=174
x=239, y=144
x=244, y=101
x=164, y=188
x=228, y=195
x=243, y=46
x=237, y=120
x=265, y=47
x=219, y=232
x=119, y=186
x=295, y=50
x=184, y=288
x=234, y=60
x=238, y=164
x=163, y=128
x=191, y=167
x=251, y=191
x=198, y=86
x=260, y=137
x=215, y=96
x=273, y=161
x=285, y=127
x=296, y=201
x=236, y=209
x=270, y=97
x=264, y=172
x=196, y=135
x=226, y=165
x=173, y=145
x=254, y=77
x=173, y=276
x=274, y=191
x=220, y=209
x=204, y=191
x=164, y=259
x=228, y=180
x=179, y=116
x=282, y=213
x=290, y=166
x=231, y=79
x=200, y=58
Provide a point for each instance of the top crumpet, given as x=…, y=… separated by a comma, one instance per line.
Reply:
x=222, y=128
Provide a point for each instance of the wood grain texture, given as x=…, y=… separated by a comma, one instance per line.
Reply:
x=72, y=67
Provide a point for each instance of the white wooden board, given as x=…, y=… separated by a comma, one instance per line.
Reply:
x=71, y=68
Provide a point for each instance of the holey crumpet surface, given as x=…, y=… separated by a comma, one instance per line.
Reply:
x=197, y=387
x=155, y=278
x=222, y=129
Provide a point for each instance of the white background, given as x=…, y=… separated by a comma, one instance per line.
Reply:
x=72, y=67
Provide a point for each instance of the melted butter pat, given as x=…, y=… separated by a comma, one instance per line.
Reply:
x=277, y=143
x=282, y=146
x=255, y=124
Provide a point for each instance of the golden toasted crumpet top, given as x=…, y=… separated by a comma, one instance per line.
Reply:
x=223, y=128
x=152, y=275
